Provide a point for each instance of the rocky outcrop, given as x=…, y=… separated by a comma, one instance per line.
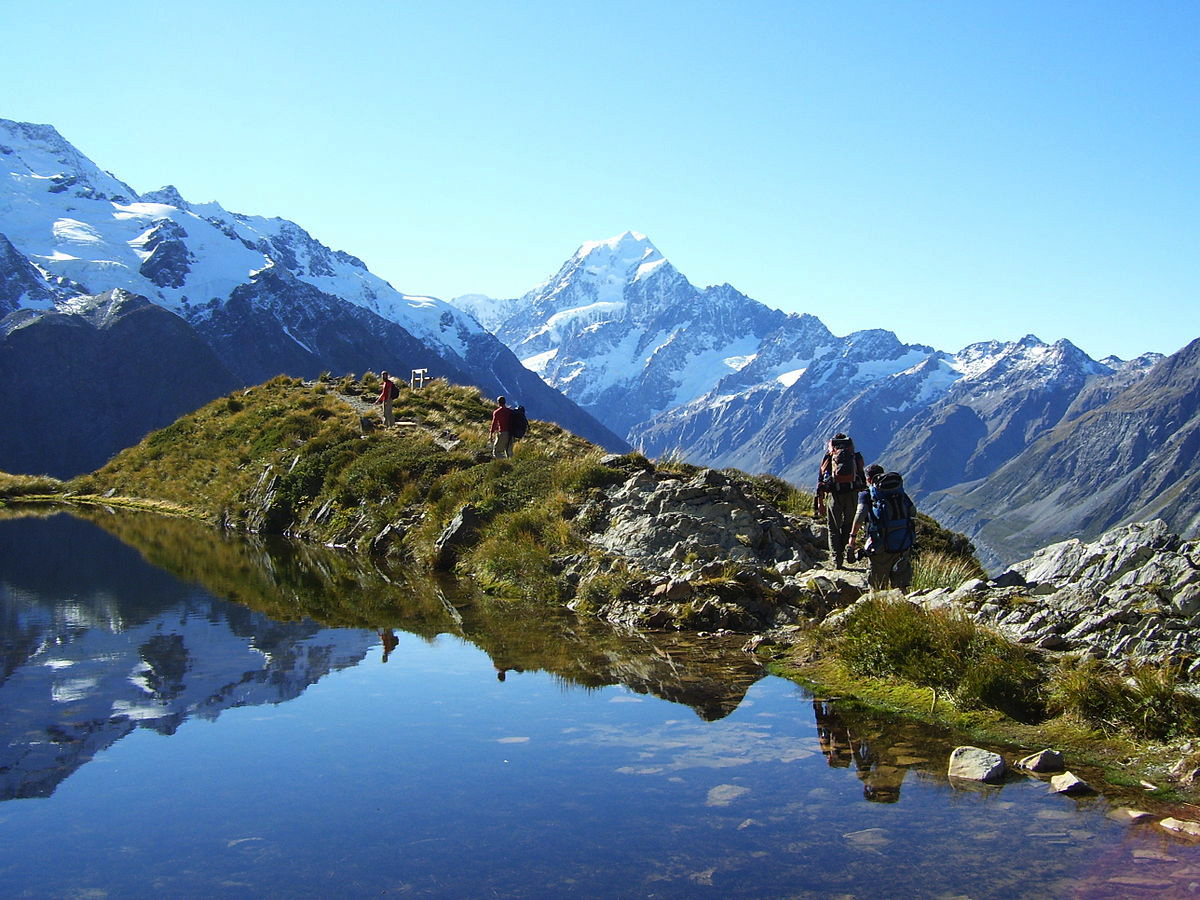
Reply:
x=1132, y=595
x=662, y=520
x=702, y=552
x=460, y=530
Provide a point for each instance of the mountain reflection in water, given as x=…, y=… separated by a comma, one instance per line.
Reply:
x=96, y=643
x=247, y=739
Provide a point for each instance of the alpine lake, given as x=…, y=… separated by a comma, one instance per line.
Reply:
x=189, y=713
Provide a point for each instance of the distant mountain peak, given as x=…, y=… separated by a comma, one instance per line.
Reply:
x=52, y=163
x=623, y=243
x=167, y=195
x=626, y=257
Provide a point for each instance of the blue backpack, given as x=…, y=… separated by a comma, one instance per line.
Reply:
x=892, y=526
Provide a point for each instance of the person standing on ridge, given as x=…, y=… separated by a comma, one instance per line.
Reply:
x=501, y=429
x=890, y=520
x=839, y=481
x=387, y=393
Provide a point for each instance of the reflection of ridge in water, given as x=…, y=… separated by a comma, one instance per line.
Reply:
x=104, y=636
x=285, y=579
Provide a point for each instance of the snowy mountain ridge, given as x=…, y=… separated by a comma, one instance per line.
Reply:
x=719, y=379
x=187, y=257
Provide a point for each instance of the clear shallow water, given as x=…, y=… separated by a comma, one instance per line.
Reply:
x=159, y=739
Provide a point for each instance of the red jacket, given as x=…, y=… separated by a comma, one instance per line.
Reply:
x=501, y=419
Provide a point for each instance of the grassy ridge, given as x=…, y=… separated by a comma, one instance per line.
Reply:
x=286, y=457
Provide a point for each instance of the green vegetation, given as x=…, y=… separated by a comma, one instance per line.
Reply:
x=774, y=490
x=934, y=569
x=14, y=487
x=1147, y=704
x=941, y=650
x=209, y=461
x=896, y=656
x=289, y=458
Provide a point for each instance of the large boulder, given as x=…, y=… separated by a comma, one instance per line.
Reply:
x=974, y=764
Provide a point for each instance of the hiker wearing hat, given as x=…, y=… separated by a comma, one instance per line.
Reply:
x=889, y=517
x=839, y=481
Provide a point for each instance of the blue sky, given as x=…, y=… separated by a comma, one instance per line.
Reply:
x=951, y=171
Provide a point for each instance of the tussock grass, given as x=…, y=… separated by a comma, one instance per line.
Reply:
x=13, y=487
x=285, y=457
x=942, y=650
x=673, y=461
x=604, y=586
x=1147, y=703
x=209, y=460
x=774, y=490
x=934, y=569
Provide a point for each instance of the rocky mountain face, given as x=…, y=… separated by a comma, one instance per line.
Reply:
x=1130, y=457
x=262, y=294
x=721, y=380
x=82, y=384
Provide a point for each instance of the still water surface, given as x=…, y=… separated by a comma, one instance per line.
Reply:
x=161, y=739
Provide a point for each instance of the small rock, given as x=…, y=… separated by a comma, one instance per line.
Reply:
x=1125, y=814
x=1186, y=772
x=1181, y=826
x=1067, y=783
x=1187, y=601
x=1009, y=579
x=1042, y=761
x=974, y=764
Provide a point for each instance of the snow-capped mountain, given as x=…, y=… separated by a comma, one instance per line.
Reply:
x=625, y=335
x=73, y=221
x=722, y=380
x=1126, y=451
x=263, y=293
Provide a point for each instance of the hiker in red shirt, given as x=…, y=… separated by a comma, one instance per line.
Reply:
x=387, y=393
x=501, y=429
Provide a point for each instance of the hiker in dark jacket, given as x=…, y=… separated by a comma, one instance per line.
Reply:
x=889, y=543
x=839, y=481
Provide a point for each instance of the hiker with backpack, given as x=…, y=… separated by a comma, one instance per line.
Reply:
x=839, y=481
x=502, y=418
x=890, y=520
x=387, y=393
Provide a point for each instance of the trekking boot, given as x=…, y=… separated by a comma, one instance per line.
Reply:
x=851, y=555
x=837, y=561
